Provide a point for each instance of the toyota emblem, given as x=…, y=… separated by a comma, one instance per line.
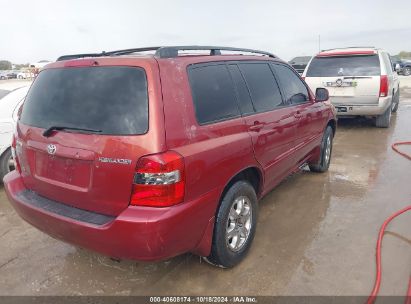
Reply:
x=51, y=149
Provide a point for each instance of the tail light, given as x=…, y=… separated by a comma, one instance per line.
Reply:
x=303, y=77
x=159, y=180
x=14, y=154
x=383, y=86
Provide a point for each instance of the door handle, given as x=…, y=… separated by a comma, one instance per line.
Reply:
x=256, y=127
x=298, y=115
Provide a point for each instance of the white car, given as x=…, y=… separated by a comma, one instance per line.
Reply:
x=25, y=75
x=360, y=81
x=9, y=106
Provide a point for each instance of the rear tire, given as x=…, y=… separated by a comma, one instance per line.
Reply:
x=235, y=225
x=325, y=152
x=396, y=101
x=384, y=120
x=6, y=164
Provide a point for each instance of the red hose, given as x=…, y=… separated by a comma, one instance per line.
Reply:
x=394, y=147
x=377, y=283
x=408, y=301
x=374, y=293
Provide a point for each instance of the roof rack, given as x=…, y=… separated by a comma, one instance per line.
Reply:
x=167, y=51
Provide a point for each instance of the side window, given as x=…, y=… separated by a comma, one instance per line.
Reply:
x=263, y=87
x=244, y=98
x=213, y=93
x=294, y=89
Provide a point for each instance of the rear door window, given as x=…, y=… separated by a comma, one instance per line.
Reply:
x=244, y=98
x=213, y=93
x=263, y=87
x=364, y=65
x=293, y=88
x=113, y=100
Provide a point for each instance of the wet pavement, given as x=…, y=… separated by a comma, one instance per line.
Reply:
x=316, y=235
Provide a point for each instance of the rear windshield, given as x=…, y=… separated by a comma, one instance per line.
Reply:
x=344, y=66
x=111, y=99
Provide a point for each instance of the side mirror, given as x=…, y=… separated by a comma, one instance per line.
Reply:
x=397, y=67
x=321, y=94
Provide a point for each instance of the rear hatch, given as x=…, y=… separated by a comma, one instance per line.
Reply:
x=100, y=116
x=350, y=79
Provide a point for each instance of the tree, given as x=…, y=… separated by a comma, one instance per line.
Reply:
x=20, y=66
x=5, y=65
x=404, y=54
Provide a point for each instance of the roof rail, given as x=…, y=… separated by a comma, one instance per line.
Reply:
x=172, y=51
x=166, y=51
x=350, y=47
x=111, y=53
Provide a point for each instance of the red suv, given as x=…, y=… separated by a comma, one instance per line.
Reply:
x=148, y=156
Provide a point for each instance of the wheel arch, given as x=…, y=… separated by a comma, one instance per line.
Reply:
x=3, y=150
x=333, y=124
x=251, y=174
x=254, y=175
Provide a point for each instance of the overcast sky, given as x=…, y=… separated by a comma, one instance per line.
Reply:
x=34, y=30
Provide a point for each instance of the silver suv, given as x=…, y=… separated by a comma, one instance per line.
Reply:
x=361, y=81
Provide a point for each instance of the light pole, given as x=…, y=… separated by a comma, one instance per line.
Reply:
x=319, y=43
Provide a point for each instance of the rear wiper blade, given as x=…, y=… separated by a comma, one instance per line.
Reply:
x=48, y=131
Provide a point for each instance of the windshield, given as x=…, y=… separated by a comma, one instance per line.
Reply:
x=111, y=99
x=344, y=66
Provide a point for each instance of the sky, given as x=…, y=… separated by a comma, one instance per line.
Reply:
x=43, y=29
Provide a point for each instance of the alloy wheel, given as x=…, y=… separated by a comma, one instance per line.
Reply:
x=239, y=223
x=327, y=154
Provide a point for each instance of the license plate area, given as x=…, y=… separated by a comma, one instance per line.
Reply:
x=63, y=170
x=341, y=91
x=341, y=109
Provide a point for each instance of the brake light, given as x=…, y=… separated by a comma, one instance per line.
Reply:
x=159, y=180
x=383, y=86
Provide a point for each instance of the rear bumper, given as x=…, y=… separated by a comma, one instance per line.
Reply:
x=347, y=107
x=138, y=233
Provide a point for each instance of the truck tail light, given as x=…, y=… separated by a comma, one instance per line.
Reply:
x=383, y=86
x=159, y=180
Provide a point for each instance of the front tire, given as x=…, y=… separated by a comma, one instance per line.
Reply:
x=407, y=71
x=325, y=152
x=6, y=164
x=235, y=225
